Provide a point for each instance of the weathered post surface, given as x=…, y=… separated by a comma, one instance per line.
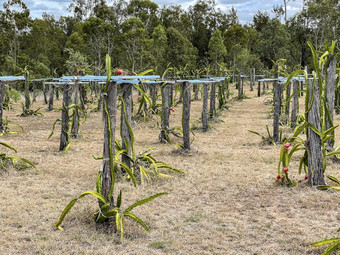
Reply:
x=205, y=108
x=109, y=138
x=50, y=100
x=34, y=92
x=251, y=80
x=196, y=90
x=2, y=95
x=294, y=104
x=27, y=95
x=186, y=115
x=44, y=92
x=75, y=122
x=65, y=119
x=287, y=103
x=264, y=87
x=212, y=100
x=57, y=93
x=126, y=122
x=330, y=94
x=277, y=110
x=153, y=90
x=171, y=95
x=82, y=96
x=258, y=88
x=315, y=162
x=165, y=112
x=221, y=97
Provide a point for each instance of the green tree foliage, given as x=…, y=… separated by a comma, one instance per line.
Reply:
x=180, y=51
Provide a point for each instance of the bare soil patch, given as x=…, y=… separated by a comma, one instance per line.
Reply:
x=228, y=203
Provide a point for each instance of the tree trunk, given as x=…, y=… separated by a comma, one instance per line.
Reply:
x=107, y=173
x=330, y=94
x=186, y=115
x=50, y=101
x=126, y=122
x=205, y=108
x=64, y=139
x=164, y=138
x=2, y=94
x=295, y=105
x=315, y=162
x=27, y=95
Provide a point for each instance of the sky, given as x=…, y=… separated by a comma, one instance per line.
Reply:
x=246, y=9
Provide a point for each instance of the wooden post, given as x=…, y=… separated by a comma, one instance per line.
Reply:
x=315, y=162
x=65, y=119
x=153, y=90
x=171, y=95
x=239, y=87
x=186, y=115
x=110, y=99
x=212, y=100
x=50, y=101
x=294, y=105
x=82, y=92
x=205, y=108
x=44, y=92
x=258, y=88
x=57, y=93
x=126, y=122
x=75, y=121
x=330, y=94
x=197, y=86
x=287, y=103
x=27, y=95
x=34, y=92
x=277, y=110
x=264, y=88
x=251, y=79
x=221, y=99
x=165, y=113
x=2, y=95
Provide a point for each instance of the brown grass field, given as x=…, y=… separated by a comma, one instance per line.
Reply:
x=228, y=203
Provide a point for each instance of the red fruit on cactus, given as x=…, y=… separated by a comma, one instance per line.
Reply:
x=119, y=72
x=278, y=177
x=287, y=145
x=172, y=109
x=306, y=176
x=285, y=169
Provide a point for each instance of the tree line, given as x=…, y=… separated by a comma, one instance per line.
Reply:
x=139, y=35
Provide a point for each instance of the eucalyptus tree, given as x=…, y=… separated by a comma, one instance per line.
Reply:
x=160, y=42
x=217, y=50
x=146, y=11
x=15, y=22
x=180, y=51
x=136, y=48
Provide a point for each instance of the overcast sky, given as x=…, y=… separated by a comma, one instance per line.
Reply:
x=245, y=8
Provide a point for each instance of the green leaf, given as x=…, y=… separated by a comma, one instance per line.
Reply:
x=136, y=219
x=71, y=204
x=333, y=179
x=119, y=199
x=128, y=170
x=7, y=146
x=326, y=241
x=144, y=201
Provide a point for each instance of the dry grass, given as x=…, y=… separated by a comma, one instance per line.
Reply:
x=228, y=203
